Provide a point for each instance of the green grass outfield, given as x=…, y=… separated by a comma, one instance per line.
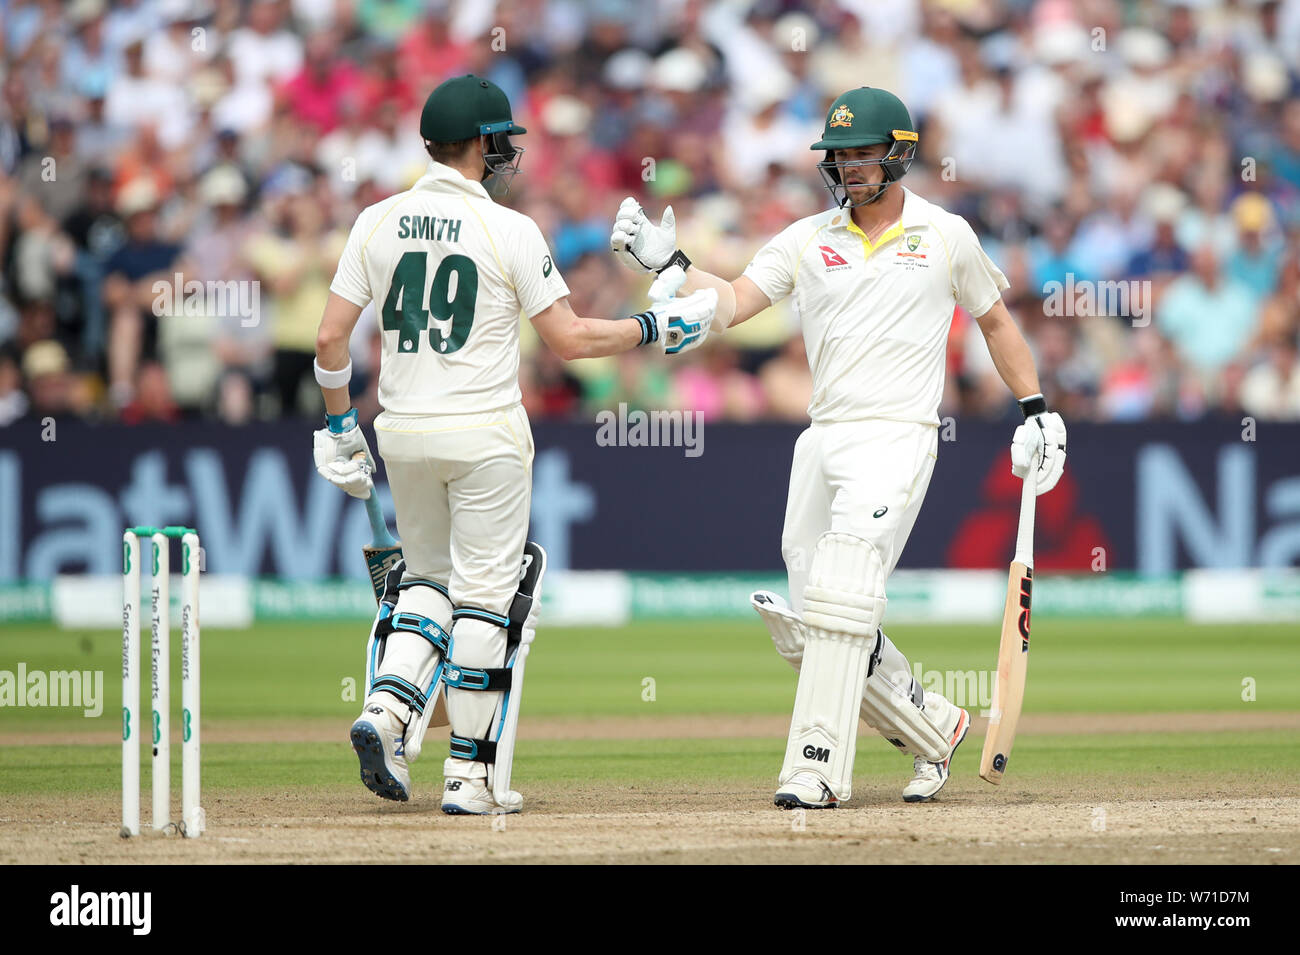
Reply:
x=1130, y=759
x=297, y=672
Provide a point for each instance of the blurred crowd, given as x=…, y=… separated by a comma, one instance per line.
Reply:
x=1133, y=167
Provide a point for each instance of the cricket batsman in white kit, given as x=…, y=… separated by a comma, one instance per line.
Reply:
x=875, y=281
x=450, y=272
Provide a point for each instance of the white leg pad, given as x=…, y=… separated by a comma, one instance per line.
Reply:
x=895, y=705
x=892, y=702
x=785, y=626
x=844, y=602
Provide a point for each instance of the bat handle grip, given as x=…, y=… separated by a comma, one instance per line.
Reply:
x=1025, y=529
x=378, y=526
x=375, y=511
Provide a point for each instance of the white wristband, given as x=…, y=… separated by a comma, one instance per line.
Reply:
x=332, y=379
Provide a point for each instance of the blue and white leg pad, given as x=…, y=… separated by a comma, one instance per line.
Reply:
x=496, y=750
x=493, y=679
x=414, y=696
x=423, y=697
x=379, y=631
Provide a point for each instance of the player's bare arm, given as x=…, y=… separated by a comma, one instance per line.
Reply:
x=1039, y=442
x=1009, y=350
x=337, y=448
x=336, y=325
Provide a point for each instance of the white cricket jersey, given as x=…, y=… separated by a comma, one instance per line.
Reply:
x=875, y=318
x=449, y=271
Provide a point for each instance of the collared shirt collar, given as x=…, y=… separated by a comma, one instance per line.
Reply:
x=440, y=178
x=915, y=212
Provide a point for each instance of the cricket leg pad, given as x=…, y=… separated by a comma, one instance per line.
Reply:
x=895, y=703
x=483, y=701
x=785, y=626
x=412, y=701
x=889, y=677
x=844, y=602
x=377, y=641
x=409, y=656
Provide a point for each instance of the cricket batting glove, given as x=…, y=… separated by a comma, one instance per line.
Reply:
x=342, y=456
x=679, y=324
x=640, y=244
x=1040, y=440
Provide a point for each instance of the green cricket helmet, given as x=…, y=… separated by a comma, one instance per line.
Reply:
x=467, y=107
x=866, y=116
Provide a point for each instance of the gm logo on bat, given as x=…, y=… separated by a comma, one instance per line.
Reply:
x=1026, y=589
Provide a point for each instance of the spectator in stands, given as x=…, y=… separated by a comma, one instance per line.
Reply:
x=50, y=383
x=129, y=297
x=296, y=266
x=315, y=95
x=1258, y=254
x=152, y=399
x=787, y=382
x=137, y=99
x=56, y=174
x=550, y=389
x=1162, y=257
x=1103, y=163
x=1207, y=316
x=13, y=400
x=1271, y=389
x=266, y=51
x=713, y=383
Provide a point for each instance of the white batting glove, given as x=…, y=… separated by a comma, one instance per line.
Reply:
x=1040, y=440
x=342, y=456
x=640, y=244
x=680, y=325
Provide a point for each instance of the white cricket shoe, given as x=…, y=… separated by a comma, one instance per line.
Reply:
x=377, y=737
x=805, y=790
x=472, y=797
x=930, y=777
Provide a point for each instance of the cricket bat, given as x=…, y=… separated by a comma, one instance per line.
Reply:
x=1013, y=652
x=382, y=552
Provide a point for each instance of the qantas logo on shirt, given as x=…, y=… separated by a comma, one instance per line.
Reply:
x=832, y=258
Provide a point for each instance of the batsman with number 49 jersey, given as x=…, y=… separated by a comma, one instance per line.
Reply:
x=450, y=272
x=875, y=281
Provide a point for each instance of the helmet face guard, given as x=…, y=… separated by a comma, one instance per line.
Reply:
x=894, y=165
x=500, y=158
x=471, y=107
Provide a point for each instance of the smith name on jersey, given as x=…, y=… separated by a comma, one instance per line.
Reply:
x=450, y=272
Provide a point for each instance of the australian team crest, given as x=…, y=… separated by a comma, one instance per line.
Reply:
x=842, y=116
x=913, y=243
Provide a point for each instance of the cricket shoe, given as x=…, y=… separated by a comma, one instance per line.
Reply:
x=472, y=797
x=377, y=736
x=929, y=777
x=805, y=790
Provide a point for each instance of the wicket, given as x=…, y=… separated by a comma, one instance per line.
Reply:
x=192, y=820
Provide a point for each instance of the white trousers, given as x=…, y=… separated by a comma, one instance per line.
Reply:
x=462, y=487
x=866, y=478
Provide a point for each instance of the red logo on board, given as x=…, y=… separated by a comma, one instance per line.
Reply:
x=830, y=256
